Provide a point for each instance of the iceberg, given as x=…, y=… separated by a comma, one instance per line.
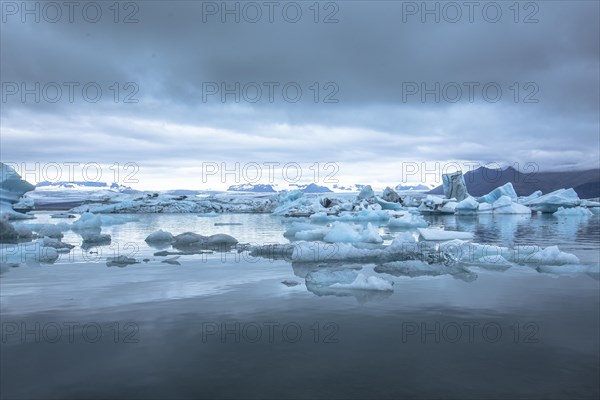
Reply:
x=408, y=221
x=8, y=233
x=505, y=205
x=551, y=202
x=194, y=241
x=391, y=196
x=336, y=232
x=467, y=206
x=577, y=212
x=455, y=186
x=160, y=236
x=553, y=256
x=12, y=187
x=504, y=190
x=366, y=193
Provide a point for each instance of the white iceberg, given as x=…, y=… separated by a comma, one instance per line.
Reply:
x=455, y=186
x=467, y=206
x=504, y=190
x=505, y=205
x=577, y=212
x=551, y=202
x=408, y=221
x=12, y=187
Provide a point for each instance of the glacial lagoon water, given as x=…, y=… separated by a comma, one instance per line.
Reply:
x=223, y=325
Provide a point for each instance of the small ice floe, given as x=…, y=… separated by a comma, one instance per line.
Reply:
x=56, y=244
x=172, y=261
x=408, y=221
x=228, y=223
x=442, y=235
x=573, y=212
x=120, y=261
x=160, y=236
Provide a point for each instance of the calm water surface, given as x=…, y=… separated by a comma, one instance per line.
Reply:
x=224, y=326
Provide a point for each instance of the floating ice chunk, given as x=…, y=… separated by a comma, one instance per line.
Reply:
x=8, y=232
x=311, y=234
x=551, y=202
x=160, y=236
x=50, y=230
x=189, y=239
x=87, y=221
x=120, y=261
x=567, y=269
x=12, y=187
x=504, y=190
x=573, y=212
x=23, y=231
x=553, y=256
x=172, y=260
x=408, y=221
x=439, y=234
x=57, y=244
x=349, y=216
x=95, y=238
x=342, y=232
x=362, y=282
x=437, y=205
x=221, y=239
x=391, y=196
x=467, y=206
x=366, y=193
x=505, y=205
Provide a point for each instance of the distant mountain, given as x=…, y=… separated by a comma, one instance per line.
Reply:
x=249, y=187
x=416, y=188
x=73, y=184
x=483, y=180
x=314, y=188
x=84, y=185
x=357, y=187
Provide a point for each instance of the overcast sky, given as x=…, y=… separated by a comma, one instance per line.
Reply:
x=361, y=67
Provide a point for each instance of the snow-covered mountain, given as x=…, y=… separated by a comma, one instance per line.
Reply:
x=254, y=188
x=83, y=186
x=357, y=187
x=311, y=188
x=417, y=188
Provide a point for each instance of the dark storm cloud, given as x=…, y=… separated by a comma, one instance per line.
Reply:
x=171, y=53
